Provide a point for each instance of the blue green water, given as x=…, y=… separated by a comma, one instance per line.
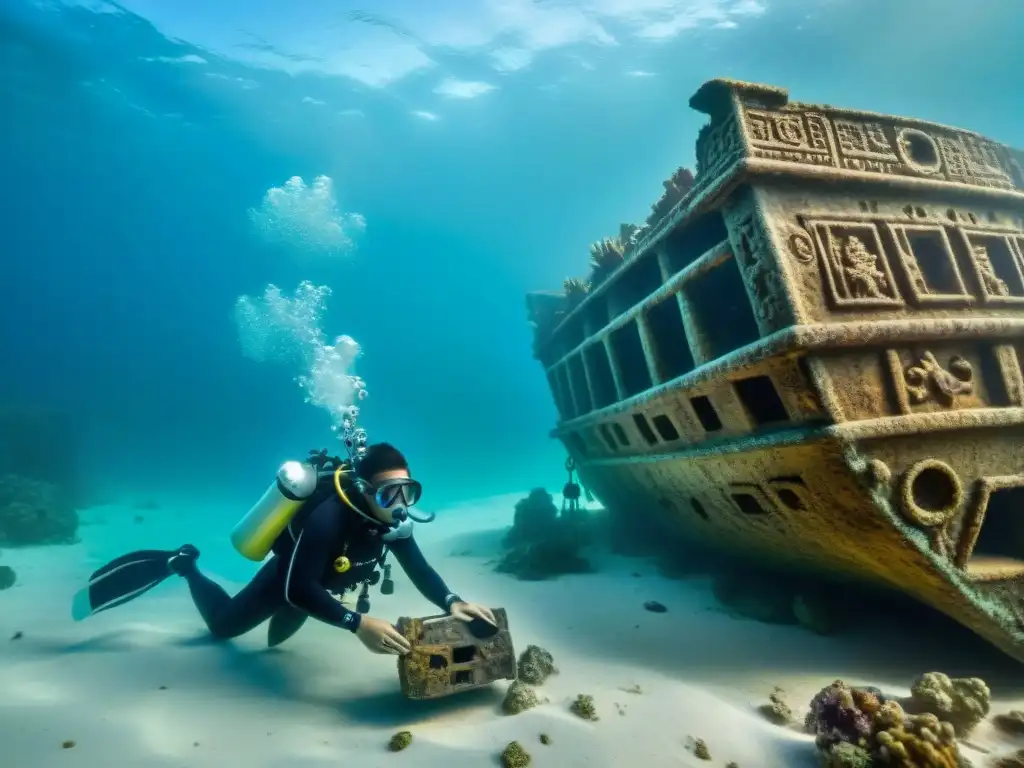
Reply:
x=475, y=149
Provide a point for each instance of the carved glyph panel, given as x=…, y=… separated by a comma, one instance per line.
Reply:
x=929, y=265
x=854, y=265
x=718, y=147
x=755, y=257
x=997, y=266
x=794, y=136
x=876, y=145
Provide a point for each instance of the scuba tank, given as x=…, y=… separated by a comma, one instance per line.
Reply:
x=255, y=534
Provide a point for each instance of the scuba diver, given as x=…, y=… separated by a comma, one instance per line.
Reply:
x=329, y=524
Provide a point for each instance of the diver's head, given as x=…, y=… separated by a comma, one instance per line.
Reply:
x=385, y=483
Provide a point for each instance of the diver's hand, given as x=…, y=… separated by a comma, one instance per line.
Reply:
x=464, y=611
x=381, y=637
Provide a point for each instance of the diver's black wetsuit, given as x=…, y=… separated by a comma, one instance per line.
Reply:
x=300, y=576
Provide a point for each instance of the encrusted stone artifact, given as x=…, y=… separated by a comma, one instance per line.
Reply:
x=813, y=353
x=450, y=656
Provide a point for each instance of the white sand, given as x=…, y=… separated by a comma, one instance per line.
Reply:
x=322, y=700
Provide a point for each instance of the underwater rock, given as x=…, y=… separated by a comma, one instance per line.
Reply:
x=545, y=739
x=655, y=607
x=584, y=708
x=536, y=665
x=7, y=577
x=1011, y=722
x=515, y=756
x=400, y=741
x=67, y=744
x=964, y=701
x=518, y=698
x=776, y=710
x=35, y=512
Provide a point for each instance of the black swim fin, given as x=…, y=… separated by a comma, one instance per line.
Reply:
x=285, y=623
x=127, y=577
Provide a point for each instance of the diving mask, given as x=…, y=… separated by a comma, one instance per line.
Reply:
x=403, y=491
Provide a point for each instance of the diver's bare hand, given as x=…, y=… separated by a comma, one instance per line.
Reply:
x=381, y=637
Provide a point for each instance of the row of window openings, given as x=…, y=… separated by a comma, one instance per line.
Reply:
x=758, y=395
x=720, y=310
x=748, y=504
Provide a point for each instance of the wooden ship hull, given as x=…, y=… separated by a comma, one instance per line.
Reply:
x=812, y=352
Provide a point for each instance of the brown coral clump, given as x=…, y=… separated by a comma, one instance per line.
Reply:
x=920, y=741
x=575, y=290
x=605, y=256
x=676, y=188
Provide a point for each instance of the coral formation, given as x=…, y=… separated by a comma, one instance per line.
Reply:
x=515, y=756
x=575, y=290
x=860, y=727
x=542, y=543
x=605, y=257
x=846, y=755
x=964, y=702
x=35, y=512
x=400, y=741
x=535, y=665
x=677, y=186
x=583, y=706
x=7, y=577
x=518, y=698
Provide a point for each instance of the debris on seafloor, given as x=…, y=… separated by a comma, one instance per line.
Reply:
x=515, y=756
x=583, y=707
x=400, y=741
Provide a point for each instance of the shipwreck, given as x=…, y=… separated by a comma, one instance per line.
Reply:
x=811, y=352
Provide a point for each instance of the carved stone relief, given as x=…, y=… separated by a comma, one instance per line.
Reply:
x=802, y=247
x=792, y=136
x=754, y=256
x=927, y=380
x=856, y=272
x=999, y=268
x=718, y=147
x=877, y=146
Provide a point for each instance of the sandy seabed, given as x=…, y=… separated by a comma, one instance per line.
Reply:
x=141, y=685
